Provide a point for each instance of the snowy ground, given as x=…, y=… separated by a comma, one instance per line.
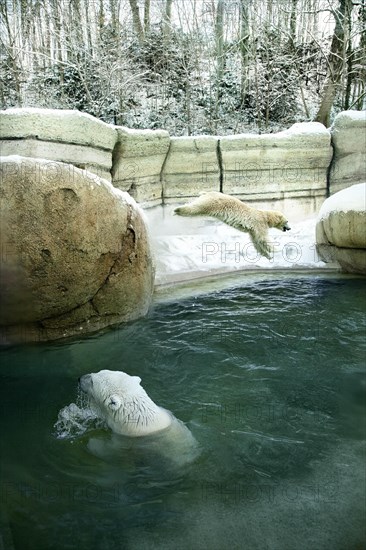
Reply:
x=187, y=248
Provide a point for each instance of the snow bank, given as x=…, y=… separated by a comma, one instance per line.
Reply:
x=186, y=248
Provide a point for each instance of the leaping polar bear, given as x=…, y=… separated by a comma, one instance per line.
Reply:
x=239, y=215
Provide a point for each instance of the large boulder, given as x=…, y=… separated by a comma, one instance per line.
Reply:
x=341, y=229
x=62, y=135
x=349, y=143
x=75, y=252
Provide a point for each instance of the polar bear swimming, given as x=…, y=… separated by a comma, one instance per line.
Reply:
x=123, y=404
x=239, y=215
x=120, y=401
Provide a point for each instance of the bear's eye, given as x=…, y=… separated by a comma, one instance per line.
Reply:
x=114, y=402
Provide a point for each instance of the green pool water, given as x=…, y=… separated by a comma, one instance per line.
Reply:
x=270, y=378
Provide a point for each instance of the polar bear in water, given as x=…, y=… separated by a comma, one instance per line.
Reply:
x=121, y=402
x=235, y=213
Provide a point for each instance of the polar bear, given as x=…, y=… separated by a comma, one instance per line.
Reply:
x=120, y=401
x=239, y=215
x=123, y=404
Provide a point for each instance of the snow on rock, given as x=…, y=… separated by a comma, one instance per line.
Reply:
x=315, y=129
x=66, y=126
x=352, y=198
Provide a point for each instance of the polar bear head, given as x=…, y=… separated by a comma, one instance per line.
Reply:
x=277, y=220
x=123, y=404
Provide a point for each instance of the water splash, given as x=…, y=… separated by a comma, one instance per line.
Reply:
x=76, y=419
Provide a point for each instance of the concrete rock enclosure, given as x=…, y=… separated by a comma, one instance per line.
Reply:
x=75, y=252
x=290, y=166
x=299, y=166
x=138, y=159
x=67, y=136
x=191, y=167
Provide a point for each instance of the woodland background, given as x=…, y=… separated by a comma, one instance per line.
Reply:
x=189, y=66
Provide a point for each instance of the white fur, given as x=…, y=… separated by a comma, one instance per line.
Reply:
x=239, y=215
x=123, y=404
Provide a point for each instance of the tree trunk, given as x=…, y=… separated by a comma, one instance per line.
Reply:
x=147, y=16
x=114, y=17
x=89, y=40
x=137, y=21
x=293, y=22
x=167, y=18
x=269, y=13
x=244, y=49
x=350, y=75
x=219, y=31
x=101, y=16
x=336, y=61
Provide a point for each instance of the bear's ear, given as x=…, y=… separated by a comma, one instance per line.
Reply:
x=137, y=379
x=114, y=402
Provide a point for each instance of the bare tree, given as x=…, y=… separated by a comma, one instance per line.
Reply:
x=167, y=18
x=294, y=8
x=220, y=59
x=137, y=25
x=200, y=66
x=147, y=16
x=336, y=61
x=244, y=48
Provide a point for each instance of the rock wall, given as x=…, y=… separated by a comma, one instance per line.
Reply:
x=75, y=252
x=138, y=160
x=67, y=136
x=289, y=165
x=290, y=169
x=341, y=229
x=191, y=167
x=349, y=142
